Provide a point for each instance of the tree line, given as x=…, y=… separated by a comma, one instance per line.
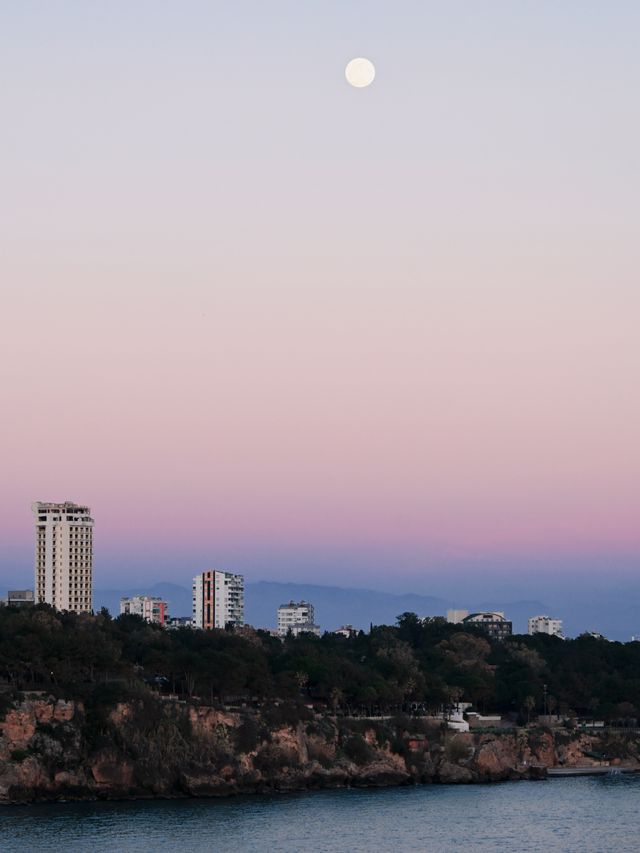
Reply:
x=416, y=664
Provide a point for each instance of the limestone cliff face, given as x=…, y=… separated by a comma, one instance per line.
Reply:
x=53, y=750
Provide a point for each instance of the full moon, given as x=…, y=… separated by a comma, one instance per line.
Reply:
x=360, y=72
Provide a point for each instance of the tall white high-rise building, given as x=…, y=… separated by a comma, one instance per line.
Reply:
x=218, y=600
x=64, y=556
x=545, y=625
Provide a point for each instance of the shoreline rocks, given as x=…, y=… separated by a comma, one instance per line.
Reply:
x=54, y=750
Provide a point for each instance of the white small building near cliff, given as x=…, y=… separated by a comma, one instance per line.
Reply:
x=545, y=625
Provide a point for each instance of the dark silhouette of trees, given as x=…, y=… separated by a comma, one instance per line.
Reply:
x=418, y=664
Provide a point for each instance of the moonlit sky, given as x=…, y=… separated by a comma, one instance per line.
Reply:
x=260, y=320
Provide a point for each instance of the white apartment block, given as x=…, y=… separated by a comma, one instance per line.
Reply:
x=64, y=556
x=297, y=617
x=545, y=625
x=218, y=600
x=456, y=616
x=151, y=608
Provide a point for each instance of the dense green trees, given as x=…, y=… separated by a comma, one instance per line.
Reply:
x=414, y=664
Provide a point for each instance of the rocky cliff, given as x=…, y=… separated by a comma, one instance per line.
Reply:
x=54, y=750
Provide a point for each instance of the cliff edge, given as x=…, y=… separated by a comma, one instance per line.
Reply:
x=52, y=749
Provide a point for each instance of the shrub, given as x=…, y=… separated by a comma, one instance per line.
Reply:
x=286, y=714
x=357, y=749
x=356, y=725
x=402, y=722
x=19, y=755
x=272, y=758
x=399, y=746
x=6, y=703
x=247, y=736
x=320, y=752
x=457, y=750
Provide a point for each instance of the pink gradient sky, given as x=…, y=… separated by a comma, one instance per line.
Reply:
x=251, y=315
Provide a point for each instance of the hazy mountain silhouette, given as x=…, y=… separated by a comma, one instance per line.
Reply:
x=178, y=597
x=334, y=606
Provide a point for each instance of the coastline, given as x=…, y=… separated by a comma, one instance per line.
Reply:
x=54, y=750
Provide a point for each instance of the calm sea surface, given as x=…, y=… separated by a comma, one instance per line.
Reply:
x=582, y=815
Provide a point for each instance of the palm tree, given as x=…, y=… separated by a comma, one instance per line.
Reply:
x=336, y=698
x=302, y=680
x=529, y=704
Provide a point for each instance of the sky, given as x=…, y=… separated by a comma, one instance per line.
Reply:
x=260, y=320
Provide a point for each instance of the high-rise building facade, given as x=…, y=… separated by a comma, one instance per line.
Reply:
x=297, y=617
x=64, y=556
x=545, y=625
x=218, y=600
x=149, y=607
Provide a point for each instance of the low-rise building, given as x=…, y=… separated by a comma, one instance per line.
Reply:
x=297, y=617
x=545, y=625
x=481, y=721
x=455, y=717
x=493, y=622
x=346, y=631
x=20, y=598
x=149, y=607
x=172, y=623
x=456, y=616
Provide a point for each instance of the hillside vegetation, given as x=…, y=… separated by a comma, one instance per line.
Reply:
x=413, y=665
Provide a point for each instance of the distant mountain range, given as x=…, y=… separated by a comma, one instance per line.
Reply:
x=613, y=609
x=177, y=597
x=334, y=606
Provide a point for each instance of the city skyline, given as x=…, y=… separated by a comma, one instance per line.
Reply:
x=319, y=372
x=381, y=337
x=430, y=573
x=63, y=577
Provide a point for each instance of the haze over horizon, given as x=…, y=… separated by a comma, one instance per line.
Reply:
x=262, y=321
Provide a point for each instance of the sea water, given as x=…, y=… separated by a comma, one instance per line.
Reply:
x=585, y=815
